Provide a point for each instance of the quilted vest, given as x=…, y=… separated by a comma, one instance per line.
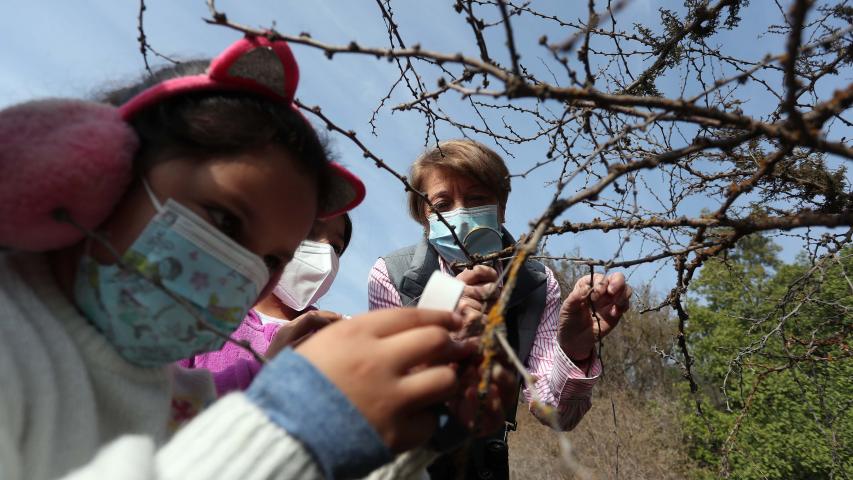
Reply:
x=409, y=269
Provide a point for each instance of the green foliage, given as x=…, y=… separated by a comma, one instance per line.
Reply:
x=770, y=344
x=769, y=341
x=635, y=408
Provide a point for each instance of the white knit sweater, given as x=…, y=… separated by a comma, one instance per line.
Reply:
x=71, y=407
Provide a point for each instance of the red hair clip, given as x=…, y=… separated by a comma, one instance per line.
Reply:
x=265, y=67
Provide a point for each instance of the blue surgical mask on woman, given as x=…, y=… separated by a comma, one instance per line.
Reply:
x=476, y=227
x=206, y=273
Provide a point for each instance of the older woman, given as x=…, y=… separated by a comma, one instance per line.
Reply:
x=469, y=184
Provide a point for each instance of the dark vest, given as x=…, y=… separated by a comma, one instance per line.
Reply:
x=409, y=269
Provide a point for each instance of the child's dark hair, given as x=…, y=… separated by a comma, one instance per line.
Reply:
x=202, y=123
x=347, y=232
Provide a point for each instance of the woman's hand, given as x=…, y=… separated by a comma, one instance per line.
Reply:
x=299, y=329
x=480, y=291
x=609, y=297
x=394, y=366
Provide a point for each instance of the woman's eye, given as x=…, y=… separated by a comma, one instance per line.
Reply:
x=225, y=221
x=273, y=263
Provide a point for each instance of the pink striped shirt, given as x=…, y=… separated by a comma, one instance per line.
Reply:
x=562, y=384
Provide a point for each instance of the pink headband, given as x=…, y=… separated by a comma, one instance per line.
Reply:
x=257, y=65
x=76, y=157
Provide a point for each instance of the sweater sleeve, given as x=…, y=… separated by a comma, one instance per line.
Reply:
x=232, y=439
x=301, y=428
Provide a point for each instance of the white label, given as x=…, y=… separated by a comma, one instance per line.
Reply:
x=442, y=292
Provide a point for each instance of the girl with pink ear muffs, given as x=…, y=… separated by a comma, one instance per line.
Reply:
x=126, y=247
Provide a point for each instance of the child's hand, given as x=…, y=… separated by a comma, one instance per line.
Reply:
x=372, y=360
x=297, y=330
x=487, y=415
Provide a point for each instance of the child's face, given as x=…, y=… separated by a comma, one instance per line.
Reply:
x=246, y=196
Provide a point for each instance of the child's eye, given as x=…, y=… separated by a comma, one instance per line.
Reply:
x=225, y=221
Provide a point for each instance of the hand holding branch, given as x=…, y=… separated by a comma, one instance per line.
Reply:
x=480, y=291
x=604, y=297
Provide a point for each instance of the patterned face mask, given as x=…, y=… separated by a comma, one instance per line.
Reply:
x=179, y=270
x=477, y=228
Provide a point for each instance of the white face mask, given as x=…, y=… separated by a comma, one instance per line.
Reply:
x=308, y=276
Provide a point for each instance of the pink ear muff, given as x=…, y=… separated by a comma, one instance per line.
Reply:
x=58, y=154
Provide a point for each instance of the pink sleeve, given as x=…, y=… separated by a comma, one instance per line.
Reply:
x=380, y=290
x=562, y=384
x=237, y=376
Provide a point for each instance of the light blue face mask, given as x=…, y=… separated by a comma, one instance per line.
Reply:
x=213, y=278
x=477, y=228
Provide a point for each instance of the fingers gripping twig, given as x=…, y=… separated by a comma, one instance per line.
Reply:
x=595, y=316
x=493, y=339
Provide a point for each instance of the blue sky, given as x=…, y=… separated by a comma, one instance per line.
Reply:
x=59, y=48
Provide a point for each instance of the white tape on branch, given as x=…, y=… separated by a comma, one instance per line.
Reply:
x=442, y=292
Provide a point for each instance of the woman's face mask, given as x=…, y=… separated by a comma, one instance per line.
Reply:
x=189, y=271
x=308, y=276
x=476, y=227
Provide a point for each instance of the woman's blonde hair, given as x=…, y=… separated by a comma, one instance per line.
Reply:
x=465, y=157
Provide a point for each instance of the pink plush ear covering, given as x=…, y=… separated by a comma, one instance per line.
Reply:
x=60, y=154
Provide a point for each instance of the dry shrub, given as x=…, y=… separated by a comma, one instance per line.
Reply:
x=632, y=430
x=646, y=441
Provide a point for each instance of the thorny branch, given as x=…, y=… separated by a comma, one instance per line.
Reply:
x=144, y=46
x=667, y=116
x=407, y=187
